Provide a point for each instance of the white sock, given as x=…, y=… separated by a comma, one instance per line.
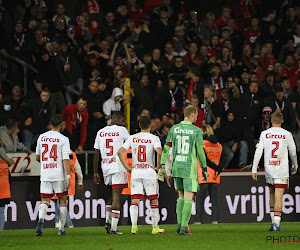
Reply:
x=134, y=210
x=63, y=211
x=115, y=219
x=272, y=214
x=108, y=214
x=154, y=215
x=277, y=217
x=43, y=209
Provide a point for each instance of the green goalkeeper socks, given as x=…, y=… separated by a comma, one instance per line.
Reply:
x=180, y=204
x=186, y=213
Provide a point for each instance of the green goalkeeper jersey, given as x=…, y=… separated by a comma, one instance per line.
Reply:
x=186, y=141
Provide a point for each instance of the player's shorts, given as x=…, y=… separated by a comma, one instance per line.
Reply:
x=278, y=182
x=49, y=188
x=186, y=185
x=141, y=187
x=116, y=180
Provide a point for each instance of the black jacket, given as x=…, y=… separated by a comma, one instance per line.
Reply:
x=287, y=111
x=251, y=107
x=40, y=112
x=230, y=131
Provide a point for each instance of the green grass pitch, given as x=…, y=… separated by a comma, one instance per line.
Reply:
x=206, y=236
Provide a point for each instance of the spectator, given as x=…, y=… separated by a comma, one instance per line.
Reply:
x=112, y=104
x=10, y=139
x=49, y=76
x=192, y=58
x=285, y=84
x=211, y=108
x=16, y=98
x=279, y=102
x=178, y=70
x=176, y=96
x=268, y=85
x=201, y=117
x=221, y=21
x=93, y=8
x=143, y=94
x=76, y=117
x=196, y=85
x=217, y=81
x=289, y=22
x=96, y=121
x=229, y=102
x=38, y=114
x=231, y=140
x=264, y=123
x=70, y=74
x=60, y=11
x=207, y=28
x=28, y=10
x=162, y=105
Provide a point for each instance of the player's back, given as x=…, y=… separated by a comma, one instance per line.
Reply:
x=51, y=146
x=184, y=137
x=276, y=142
x=143, y=146
x=109, y=140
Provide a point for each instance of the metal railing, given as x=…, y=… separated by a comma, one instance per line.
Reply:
x=26, y=66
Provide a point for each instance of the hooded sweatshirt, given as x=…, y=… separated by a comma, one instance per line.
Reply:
x=111, y=105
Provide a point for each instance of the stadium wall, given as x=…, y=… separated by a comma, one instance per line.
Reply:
x=241, y=200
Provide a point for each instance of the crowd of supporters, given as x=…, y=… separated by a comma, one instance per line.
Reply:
x=237, y=68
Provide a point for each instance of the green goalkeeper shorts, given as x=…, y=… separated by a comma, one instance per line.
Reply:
x=186, y=185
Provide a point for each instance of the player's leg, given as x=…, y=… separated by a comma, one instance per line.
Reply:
x=61, y=192
x=272, y=204
x=178, y=182
x=119, y=181
x=137, y=193
x=278, y=207
x=152, y=189
x=108, y=208
x=46, y=191
x=190, y=187
x=116, y=196
x=63, y=212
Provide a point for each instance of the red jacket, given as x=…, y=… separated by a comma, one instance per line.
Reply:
x=73, y=119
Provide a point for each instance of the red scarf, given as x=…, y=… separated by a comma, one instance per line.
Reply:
x=20, y=42
x=191, y=88
x=93, y=8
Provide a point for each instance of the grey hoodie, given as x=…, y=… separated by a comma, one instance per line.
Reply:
x=111, y=105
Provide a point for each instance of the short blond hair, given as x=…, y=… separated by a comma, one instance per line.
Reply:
x=277, y=117
x=207, y=129
x=193, y=96
x=210, y=87
x=190, y=110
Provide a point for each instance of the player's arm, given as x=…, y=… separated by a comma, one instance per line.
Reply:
x=258, y=153
x=201, y=154
x=66, y=151
x=79, y=175
x=292, y=153
x=159, y=153
x=38, y=150
x=95, y=166
x=121, y=152
x=166, y=149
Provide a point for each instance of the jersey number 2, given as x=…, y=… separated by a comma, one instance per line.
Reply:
x=276, y=143
x=53, y=152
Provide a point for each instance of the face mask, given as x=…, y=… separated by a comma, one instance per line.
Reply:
x=7, y=107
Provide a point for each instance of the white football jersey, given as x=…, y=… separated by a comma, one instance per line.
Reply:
x=109, y=140
x=276, y=142
x=143, y=147
x=53, y=148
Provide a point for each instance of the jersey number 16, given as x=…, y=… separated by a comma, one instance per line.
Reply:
x=182, y=144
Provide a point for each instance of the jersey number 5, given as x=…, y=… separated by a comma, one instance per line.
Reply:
x=110, y=147
x=182, y=144
x=276, y=143
x=53, y=152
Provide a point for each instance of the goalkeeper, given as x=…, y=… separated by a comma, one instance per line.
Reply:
x=186, y=141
